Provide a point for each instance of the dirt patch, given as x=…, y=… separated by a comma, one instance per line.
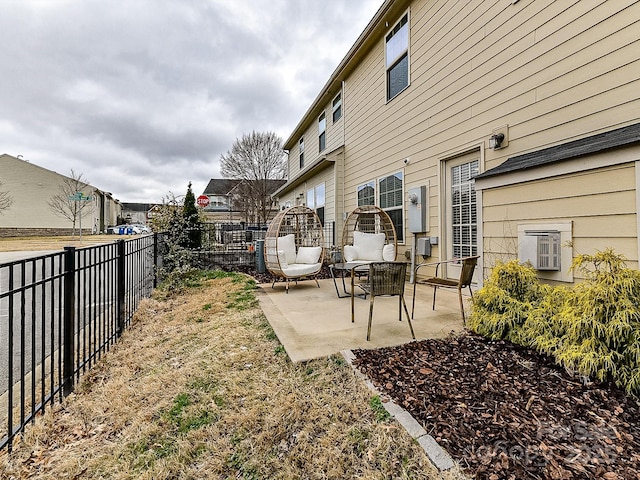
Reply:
x=201, y=388
x=508, y=413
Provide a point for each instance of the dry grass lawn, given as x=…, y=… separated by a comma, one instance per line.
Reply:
x=19, y=244
x=200, y=388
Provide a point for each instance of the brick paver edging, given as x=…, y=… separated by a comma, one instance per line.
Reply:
x=438, y=455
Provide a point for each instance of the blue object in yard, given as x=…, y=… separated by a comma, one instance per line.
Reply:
x=121, y=231
x=129, y=230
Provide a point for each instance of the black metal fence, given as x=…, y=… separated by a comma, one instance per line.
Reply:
x=59, y=313
x=228, y=245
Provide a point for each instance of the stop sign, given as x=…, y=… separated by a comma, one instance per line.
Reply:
x=202, y=201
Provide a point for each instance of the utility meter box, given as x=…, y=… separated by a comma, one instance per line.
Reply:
x=423, y=247
x=418, y=210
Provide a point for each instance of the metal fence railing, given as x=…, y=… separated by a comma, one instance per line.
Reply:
x=229, y=245
x=59, y=313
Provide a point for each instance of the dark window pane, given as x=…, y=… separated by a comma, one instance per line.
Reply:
x=396, y=218
x=321, y=141
x=398, y=77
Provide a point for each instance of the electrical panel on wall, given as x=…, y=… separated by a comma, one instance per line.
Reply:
x=418, y=209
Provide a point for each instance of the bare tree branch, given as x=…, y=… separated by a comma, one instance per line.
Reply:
x=62, y=203
x=255, y=158
x=6, y=200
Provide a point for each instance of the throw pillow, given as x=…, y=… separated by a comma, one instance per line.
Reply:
x=308, y=255
x=369, y=245
x=288, y=245
x=350, y=253
x=282, y=258
x=389, y=253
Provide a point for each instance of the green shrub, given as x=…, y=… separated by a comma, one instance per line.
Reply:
x=505, y=302
x=592, y=329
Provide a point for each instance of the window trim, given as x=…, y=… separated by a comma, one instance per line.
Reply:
x=391, y=63
x=400, y=208
x=322, y=132
x=301, y=152
x=336, y=106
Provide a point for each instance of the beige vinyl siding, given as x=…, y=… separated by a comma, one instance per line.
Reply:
x=334, y=138
x=601, y=204
x=31, y=188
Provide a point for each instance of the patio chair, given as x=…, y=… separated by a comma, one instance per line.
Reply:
x=368, y=235
x=293, y=245
x=465, y=280
x=386, y=278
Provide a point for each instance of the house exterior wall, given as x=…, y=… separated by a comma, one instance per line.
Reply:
x=545, y=73
x=31, y=188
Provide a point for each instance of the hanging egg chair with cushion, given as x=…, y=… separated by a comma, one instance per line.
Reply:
x=368, y=236
x=293, y=246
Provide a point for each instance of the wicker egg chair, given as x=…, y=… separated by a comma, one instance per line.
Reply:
x=294, y=245
x=368, y=219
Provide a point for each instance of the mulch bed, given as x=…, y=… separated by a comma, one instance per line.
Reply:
x=506, y=412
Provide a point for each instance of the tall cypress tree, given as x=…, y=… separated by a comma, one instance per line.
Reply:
x=191, y=220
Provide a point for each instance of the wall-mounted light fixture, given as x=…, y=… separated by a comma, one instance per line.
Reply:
x=495, y=141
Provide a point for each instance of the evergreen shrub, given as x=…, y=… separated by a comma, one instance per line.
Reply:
x=592, y=329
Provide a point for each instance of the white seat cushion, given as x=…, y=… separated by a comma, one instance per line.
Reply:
x=300, y=269
x=369, y=245
x=308, y=255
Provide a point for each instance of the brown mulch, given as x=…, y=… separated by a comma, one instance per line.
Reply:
x=506, y=412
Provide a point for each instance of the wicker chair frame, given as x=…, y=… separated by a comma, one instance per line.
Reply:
x=368, y=219
x=306, y=226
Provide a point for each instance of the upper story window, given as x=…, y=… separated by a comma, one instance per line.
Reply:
x=301, y=145
x=397, y=57
x=322, y=132
x=336, y=107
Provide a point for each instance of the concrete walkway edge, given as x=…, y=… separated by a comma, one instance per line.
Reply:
x=438, y=455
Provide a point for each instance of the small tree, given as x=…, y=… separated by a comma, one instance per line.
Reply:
x=6, y=200
x=256, y=158
x=191, y=220
x=63, y=204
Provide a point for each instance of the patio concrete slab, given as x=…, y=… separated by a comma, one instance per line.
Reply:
x=313, y=322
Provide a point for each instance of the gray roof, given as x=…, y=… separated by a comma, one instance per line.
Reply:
x=619, y=137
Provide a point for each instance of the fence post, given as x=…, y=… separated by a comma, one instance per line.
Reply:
x=155, y=259
x=120, y=273
x=69, y=320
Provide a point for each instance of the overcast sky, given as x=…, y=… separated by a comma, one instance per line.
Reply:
x=143, y=96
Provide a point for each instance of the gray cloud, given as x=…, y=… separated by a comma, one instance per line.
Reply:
x=143, y=96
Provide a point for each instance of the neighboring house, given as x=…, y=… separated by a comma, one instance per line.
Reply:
x=137, y=212
x=32, y=187
x=514, y=126
x=230, y=202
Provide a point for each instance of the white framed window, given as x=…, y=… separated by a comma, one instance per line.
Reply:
x=322, y=132
x=301, y=149
x=397, y=57
x=319, y=201
x=391, y=200
x=366, y=193
x=311, y=199
x=336, y=107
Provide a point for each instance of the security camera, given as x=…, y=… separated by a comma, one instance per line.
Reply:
x=406, y=161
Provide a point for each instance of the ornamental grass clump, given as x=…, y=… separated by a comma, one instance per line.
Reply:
x=505, y=302
x=602, y=321
x=592, y=329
